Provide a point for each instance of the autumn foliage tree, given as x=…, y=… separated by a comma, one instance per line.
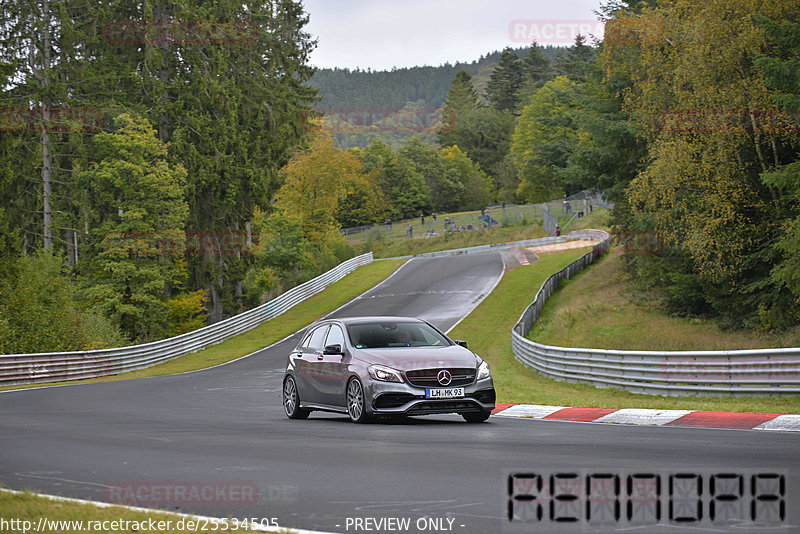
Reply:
x=302, y=234
x=719, y=185
x=139, y=216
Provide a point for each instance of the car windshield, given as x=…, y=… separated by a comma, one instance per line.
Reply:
x=385, y=334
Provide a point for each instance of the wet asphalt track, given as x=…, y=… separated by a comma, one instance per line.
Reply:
x=226, y=426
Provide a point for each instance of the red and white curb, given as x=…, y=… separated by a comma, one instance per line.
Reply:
x=640, y=416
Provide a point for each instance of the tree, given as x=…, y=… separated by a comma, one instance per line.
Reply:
x=780, y=71
x=485, y=135
x=461, y=99
x=505, y=81
x=363, y=204
x=140, y=241
x=300, y=237
x=445, y=186
x=537, y=70
x=574, y=61
x=545, y=137
x=316, y=181
x=609, y=152
x=45, y=51
x=233, y=107
x=717, y=154
x=476, y=185
x=38, y=314
x=404, y=188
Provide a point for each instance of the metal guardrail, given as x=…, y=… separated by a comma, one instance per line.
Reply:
x=734, y=372
x=61, y=366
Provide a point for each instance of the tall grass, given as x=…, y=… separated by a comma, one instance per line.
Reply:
x=596, y=310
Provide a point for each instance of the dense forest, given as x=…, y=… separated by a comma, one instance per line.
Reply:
x=394, y=106
x=160, y=173
x=136, y=145
x=685, y=115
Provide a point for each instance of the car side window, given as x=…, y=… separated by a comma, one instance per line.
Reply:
x=306, y=340
x=317, y=338
x=335, y=337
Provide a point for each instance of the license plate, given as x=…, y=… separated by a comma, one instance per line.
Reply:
x=444, y=393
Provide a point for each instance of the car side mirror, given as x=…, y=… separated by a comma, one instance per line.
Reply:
x=333, y=349
x=461, y=343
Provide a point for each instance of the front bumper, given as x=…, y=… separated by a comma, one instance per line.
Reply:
x=393, y=398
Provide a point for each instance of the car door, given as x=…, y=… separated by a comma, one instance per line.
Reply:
x=332, y=371
x=309, y=364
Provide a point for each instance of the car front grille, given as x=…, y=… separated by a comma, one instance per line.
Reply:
x=427, y=378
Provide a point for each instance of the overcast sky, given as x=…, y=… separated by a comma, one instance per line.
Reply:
x=381, y=34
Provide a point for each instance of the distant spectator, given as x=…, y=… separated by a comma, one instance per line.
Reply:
x=558, y=230
x=434, y=217
x=410, y=231
x=422, y=218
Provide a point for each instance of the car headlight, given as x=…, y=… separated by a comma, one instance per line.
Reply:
x=483, y=371
x=384, y=374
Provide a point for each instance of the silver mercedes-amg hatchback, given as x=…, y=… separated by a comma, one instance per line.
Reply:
x=371, y=366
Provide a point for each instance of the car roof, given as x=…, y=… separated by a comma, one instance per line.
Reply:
x=378, y=319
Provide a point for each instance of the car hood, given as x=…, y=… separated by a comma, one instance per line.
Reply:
x=408, y=358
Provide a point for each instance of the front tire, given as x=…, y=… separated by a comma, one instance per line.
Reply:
x=476, y=417
x=291, y=400
x=356, y=405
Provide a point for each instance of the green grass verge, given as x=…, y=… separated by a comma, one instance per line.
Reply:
x=462, y=218
x=598, y=219
x=23, y=512
x=488, y=331
x=306, y=312
x=596, y=309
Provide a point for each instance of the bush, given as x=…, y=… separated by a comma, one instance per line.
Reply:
x=38, y=313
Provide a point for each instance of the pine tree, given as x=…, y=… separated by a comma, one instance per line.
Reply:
x=505, y=82
x=461, y=98
x=574, y=61
x=537, y=67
